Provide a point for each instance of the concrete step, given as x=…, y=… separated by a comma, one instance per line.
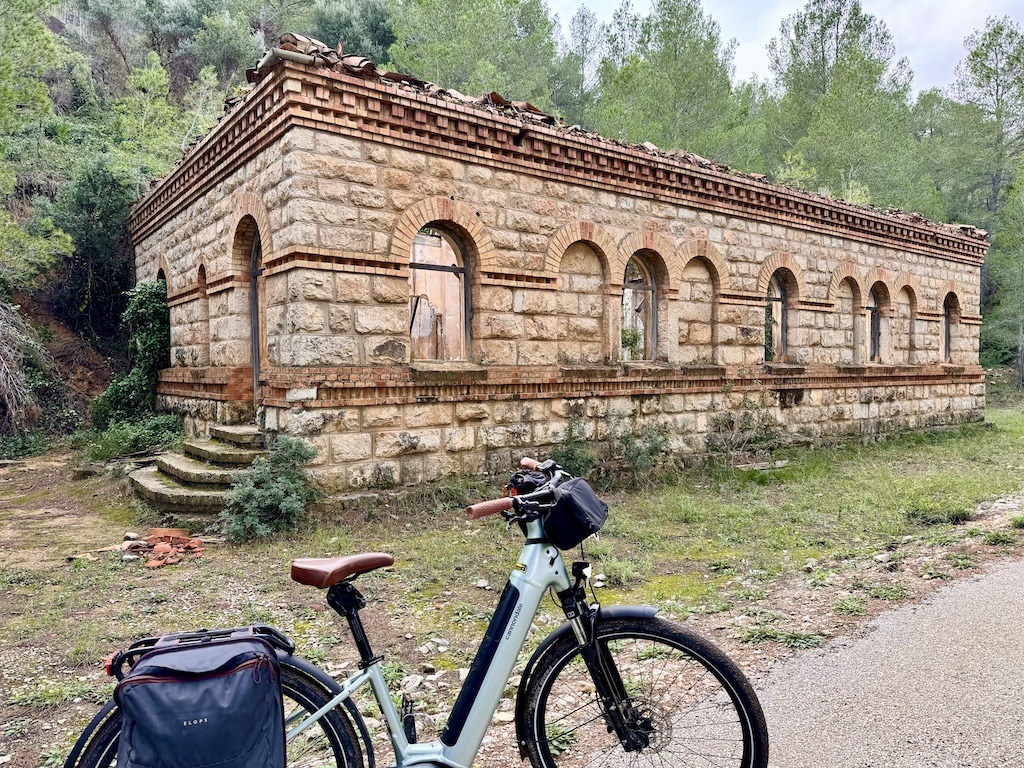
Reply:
x=164, y=491
x=220, y=452
x=243, y=435
x=185, y=469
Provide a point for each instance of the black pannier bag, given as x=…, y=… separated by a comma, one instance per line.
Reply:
x=576, y=514
x=198, y=704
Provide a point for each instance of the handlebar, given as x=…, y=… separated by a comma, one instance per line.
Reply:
x=485, y=508
x=544, y=494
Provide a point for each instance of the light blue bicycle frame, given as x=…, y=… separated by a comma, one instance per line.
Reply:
x=540, y=568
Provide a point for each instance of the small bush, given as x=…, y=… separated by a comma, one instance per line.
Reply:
x=271, y=495
x=128, y=398
x=751, y=431
x=572, y=452
x=20, y=444
x=1017, y=521
x=642, y=447
x=151, y=434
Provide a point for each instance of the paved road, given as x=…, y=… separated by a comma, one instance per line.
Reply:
x=934, y=685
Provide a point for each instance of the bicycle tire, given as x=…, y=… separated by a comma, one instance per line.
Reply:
x=702, y=709
x=330, y=741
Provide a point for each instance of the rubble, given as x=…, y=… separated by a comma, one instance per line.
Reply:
x=160, y=547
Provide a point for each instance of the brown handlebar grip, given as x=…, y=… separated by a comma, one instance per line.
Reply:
x=529, y=463
x=485, y=508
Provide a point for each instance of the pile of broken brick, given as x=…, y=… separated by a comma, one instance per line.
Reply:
x=161, y=546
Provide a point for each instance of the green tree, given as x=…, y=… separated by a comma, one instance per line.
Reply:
x=992, y=79
x=148, y=124
x=673, y=85
x=455, y=44
x=860, y=141
x=574, y=82
x=807, y=58
x=93, y=209
x=363, y=26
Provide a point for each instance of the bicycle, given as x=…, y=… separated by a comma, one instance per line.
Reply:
x=611, y=686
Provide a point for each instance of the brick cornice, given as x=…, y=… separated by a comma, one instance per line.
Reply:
x=298, y=95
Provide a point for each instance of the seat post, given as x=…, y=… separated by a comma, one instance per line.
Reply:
x=346, y=600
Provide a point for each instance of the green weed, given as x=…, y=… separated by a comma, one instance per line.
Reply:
x=999, y=538
x=851, y=606
x=788, y=638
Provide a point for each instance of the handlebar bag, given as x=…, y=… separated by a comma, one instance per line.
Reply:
x=203, y=704
x=576, y=514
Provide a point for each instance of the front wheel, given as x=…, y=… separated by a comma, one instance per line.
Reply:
x=692, y=704
x=331, y=741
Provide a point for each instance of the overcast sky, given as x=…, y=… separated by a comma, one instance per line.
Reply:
x=930, y=33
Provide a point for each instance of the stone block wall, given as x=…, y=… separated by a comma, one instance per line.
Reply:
x=332, y=178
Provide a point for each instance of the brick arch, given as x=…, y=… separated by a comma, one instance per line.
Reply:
x=669, y=270
x=248, y=205
x=702, y=249
x=202, y=270
x=444, y=210
x=907, y=280
x=775, y=262
x=879, y=275
x=575, y=232
x=946, y=288
x=845, y=271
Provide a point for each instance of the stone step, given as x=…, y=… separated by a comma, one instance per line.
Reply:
x=244, y=435
x=164, y=491
x=188, y=470
x=220, y=452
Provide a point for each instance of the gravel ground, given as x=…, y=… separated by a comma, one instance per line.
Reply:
x=939, y=684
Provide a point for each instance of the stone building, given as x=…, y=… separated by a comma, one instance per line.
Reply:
x=421, y=284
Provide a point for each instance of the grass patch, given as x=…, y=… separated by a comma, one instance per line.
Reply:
x=888, y=592
x=48, y=693
x=1017, y=521
x=786, y=637
x=851, y=606
x=999, y=538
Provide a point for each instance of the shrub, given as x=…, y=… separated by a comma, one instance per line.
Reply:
x=750, y=431
x=573, y=452
x=130, y=396
x=126, y=438
x=641, y=447
x=30, y=442
x=271, y=495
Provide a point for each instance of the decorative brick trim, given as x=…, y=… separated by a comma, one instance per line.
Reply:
x=161, y=265
x=297, y=95
x=780, y=260
x=295, y=256
x=251, y=205
x=846, y=271
x=712, y=258
x=580, y=232
x=224, y=384
x=666, y=266
x=913, y=287
x=445, y=213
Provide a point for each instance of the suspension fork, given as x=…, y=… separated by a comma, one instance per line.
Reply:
x=616, y=707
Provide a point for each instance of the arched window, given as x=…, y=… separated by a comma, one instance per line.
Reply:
x=776, y=318
x=950, y=317
x=849, y=323
x=439, y=306
x=639, y=311
x=906, y=316
x=878, y=303
x=697, y=312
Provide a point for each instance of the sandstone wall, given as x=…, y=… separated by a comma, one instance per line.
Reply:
x=335, y=216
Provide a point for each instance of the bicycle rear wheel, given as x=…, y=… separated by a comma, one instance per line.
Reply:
x=331, y=741
x=693, y=704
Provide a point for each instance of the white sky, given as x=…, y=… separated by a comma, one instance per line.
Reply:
x=930, y=33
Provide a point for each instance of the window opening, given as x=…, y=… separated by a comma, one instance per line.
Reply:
x=776, y=320
x=639, y=311
x=875, y=327
x=950, y=309
x=438, y=297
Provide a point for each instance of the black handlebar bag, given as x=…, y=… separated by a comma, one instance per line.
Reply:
x=203, y=704
x=576, y=514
